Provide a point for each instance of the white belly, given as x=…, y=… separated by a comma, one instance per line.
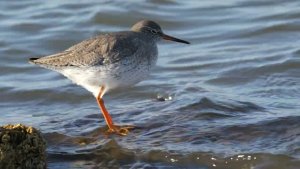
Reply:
x=111, y=76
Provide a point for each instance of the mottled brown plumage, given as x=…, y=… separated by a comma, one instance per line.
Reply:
x=110, y=61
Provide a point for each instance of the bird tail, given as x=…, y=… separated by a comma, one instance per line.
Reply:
x=32, y=60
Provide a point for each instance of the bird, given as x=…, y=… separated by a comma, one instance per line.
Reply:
x=110, y=61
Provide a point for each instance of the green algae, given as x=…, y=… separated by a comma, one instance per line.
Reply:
x=21, y=147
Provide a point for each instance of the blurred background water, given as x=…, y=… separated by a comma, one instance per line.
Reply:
x=234, y=91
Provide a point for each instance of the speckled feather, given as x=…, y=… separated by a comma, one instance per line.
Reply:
x=104, y=49
x=113, y=60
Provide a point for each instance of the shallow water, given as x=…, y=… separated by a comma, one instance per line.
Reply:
x=231, y=97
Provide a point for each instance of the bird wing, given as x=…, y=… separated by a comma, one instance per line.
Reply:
x=100, y=50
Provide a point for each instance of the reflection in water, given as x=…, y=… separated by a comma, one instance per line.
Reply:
x=228, y=100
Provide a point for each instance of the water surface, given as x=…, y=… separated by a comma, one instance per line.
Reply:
x=234, y=91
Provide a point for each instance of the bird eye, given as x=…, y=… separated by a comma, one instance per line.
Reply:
x=153, y=31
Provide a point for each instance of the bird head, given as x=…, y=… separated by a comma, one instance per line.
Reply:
x=154, y=30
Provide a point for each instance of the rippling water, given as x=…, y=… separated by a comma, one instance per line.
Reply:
x=234, y=92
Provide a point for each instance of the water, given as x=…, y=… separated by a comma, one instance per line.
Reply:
x=228, y=100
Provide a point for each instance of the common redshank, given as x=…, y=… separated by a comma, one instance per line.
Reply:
x=110, y=61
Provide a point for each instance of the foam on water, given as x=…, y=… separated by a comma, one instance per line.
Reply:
x=228, y=100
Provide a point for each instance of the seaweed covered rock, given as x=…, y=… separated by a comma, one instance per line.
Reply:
x=21, y=147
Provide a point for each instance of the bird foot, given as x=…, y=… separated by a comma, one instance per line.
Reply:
x=120, y=130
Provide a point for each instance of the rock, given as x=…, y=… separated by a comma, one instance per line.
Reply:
x=21, y=147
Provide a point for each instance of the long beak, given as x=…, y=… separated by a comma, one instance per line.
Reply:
x=167, y=37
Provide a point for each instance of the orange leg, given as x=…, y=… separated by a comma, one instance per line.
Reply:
x=105, y=113
x=112, y=128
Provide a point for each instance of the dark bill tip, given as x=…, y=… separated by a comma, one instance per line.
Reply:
x=167, y=37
